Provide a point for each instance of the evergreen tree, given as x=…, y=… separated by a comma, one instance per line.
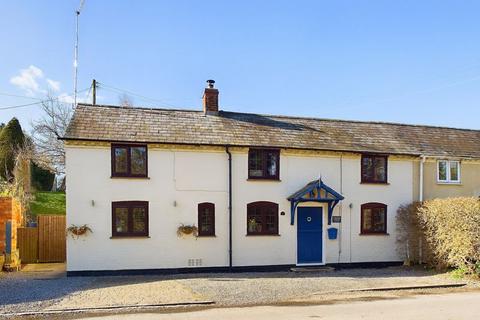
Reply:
x=11, y=140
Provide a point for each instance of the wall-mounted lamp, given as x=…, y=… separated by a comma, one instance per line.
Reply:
x=350, y=205
x=174, y=203
x=93, y=203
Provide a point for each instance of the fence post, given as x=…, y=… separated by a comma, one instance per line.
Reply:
x=12, y=260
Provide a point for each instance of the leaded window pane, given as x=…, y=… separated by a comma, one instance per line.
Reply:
x=121, y=220
x=138, y=218
x=454, y=171
x=272, y=160
x=255, y=163
x=138, y=160
x=380, y=169
x=378, y=220
x=206, y=219
x=367, y=219
x=442, y=171
x=121, y=162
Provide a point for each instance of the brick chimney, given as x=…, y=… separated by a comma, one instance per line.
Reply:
x=210, y=98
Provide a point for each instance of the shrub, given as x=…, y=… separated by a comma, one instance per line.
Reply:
x=411, y=242
x=11, y=139
x=452, y=229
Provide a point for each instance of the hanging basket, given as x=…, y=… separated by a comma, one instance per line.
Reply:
x=77, y=231
x=187, y=230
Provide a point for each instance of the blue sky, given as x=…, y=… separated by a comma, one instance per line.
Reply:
x=400, y=61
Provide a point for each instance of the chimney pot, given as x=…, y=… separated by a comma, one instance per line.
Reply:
x=210, y=98
x=210, y=84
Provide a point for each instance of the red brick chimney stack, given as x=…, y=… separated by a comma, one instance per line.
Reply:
x=210, y=98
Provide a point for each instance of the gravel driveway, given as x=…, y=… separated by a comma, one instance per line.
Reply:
x=21, y=294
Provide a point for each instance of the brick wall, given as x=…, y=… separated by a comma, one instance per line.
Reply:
x=10, y=209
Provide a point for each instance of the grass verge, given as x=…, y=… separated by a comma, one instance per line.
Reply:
x=48, y=203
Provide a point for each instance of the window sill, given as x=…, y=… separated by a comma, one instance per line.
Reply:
x=263, y=235
x=449, y=183
x=206, y=236
x=375, y=183
x=264, y=179
x=374, y=234
x=129, y=237
x=126, y=177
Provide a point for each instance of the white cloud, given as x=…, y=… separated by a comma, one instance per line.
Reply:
x=53, y=85
x=27, y=80
x=65, y=98
x=81, y=98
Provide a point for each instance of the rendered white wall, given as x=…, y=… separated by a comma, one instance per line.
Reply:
x=188, y=178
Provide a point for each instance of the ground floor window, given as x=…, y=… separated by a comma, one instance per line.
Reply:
x=262, y=218
x=374, y=218
x=130, y=219
x=206, y=219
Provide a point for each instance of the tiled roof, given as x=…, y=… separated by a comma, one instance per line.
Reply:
x=111, y=123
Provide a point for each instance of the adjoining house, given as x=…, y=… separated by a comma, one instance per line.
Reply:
x=264, y=191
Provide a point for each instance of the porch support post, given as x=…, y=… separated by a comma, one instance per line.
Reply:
x=293, y=206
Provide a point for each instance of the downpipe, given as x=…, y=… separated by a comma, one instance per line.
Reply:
x=230, y=251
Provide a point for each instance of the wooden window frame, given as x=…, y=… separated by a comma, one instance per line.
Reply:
x=264, y=175
x=448, y=164
x=373, y=205
x=129, y=173
x=263, y=204
x=362, y=173
x=202, y=206
x=129, y=205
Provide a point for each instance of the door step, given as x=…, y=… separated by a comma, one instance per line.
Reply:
x=312, y=269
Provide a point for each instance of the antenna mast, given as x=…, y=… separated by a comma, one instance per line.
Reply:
x=75, y=62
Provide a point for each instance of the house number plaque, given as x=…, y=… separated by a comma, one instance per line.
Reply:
x=336, y=219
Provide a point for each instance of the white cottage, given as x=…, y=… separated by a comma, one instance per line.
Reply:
x=263, y=191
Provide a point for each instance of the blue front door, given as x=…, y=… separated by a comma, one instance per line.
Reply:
x=309, y=234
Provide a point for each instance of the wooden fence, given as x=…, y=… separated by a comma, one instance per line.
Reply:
x=28, y=244
x=51, y=238
x=45, y=243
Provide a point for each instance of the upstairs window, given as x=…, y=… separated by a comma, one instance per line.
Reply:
x=374, y=218
x=264, y=164
x=374, y=169
x=206, y=219
x=130, y=219
x=129, y=160
x=448, y=171
x=262, y=218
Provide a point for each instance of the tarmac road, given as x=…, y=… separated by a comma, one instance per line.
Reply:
x=465, y=305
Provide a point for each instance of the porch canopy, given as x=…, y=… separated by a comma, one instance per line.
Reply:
x=315, y=191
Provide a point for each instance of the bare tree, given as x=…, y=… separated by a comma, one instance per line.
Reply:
x=125, y=100
x=19, y=185
x=49, y=149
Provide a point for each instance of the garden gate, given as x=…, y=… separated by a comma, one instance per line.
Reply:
x=44, y=243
